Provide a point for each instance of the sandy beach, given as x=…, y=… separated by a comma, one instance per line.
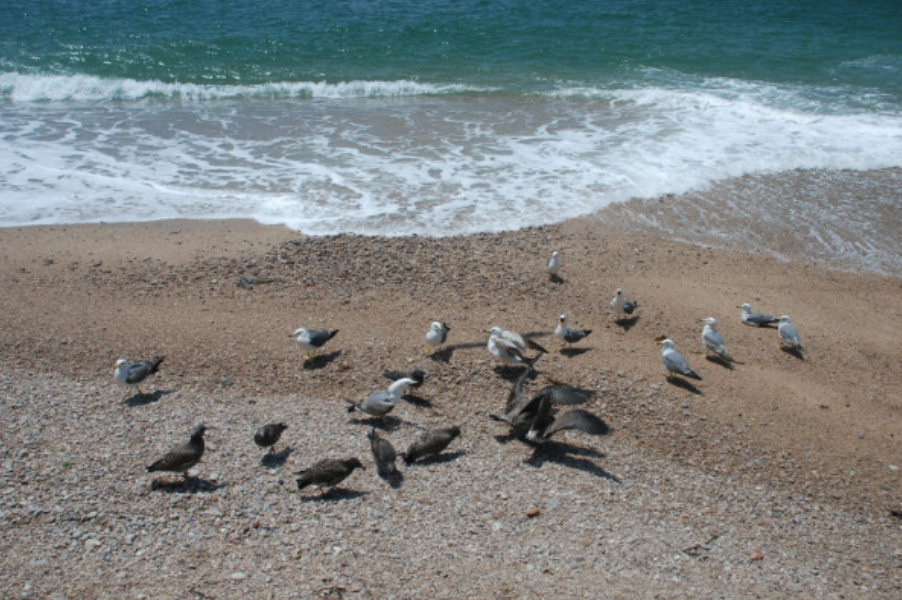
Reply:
x=778, y=477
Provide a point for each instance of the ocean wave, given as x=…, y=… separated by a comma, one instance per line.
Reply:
x=24, y=88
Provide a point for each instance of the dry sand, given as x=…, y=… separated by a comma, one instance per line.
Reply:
x=777, y=478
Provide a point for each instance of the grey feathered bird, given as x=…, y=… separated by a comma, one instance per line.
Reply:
x=131, y=374
x=436, y=336
x=268, y=435
x=382, y=403
x=569, y=334
x=384, y=454
x=181, y=458
x=430, y=443
x=788, y=334
x=674, y=361
x=621, y=306
x=510, y=347
x=755, y=319
x=312, y=340
x=713, y=341
x=535, y=418
x=328, y=472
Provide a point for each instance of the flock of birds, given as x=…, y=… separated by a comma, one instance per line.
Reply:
x=533, y=418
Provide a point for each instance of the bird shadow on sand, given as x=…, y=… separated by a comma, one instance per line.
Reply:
x=719, y=360
x=394, y=480
x=571, y=352
x=320, y=360
x=556, y=279
x=509, y=373
x=793, y=352
x=627, y=324
x=438, y=459
x=443, y=355
x=568, y=455
x=417, y=401
x=390, y=423
x=192, y=485
x=276, y=459
x=145, y=399
x=682, y=383
x=335, y=494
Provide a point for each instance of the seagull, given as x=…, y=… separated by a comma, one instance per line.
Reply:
x=568, y=334
x=755, y=319
x=788, y=334
x=384, y=455
x=534, y=415
x=622, y=307
x=181, y=458
x=430, y=443
x=268, y=435
x=418, y=376
x=328, y=472
x=508, y=347
x=554, y=264
x=311, y=340
x=713, y=341
x=436, y=336
x=382, y=403
x=131, y=374
x=674, y=361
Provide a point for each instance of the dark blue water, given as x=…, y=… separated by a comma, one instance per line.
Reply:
x=430, y=117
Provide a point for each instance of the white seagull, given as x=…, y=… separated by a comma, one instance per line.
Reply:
x=509, y=347
x=788, y=334
x=382, y=403
x=311, y=340
x=622, y=307
x=713, y=341
x=436, y=336
x=674, y=361
x=755, y=319
x=554, y=264
x=131, y=374
x=568, y=334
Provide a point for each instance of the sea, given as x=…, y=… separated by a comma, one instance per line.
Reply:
x=769, y=125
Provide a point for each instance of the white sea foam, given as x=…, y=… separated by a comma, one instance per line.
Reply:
x=374, y=158
x=24, y=88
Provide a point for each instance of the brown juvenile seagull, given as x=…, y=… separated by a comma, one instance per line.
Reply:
x=384, y=455
x=181, y=458
x=430, y=443
x=268, y=435
x=328, y=472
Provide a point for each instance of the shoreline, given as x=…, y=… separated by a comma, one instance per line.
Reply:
x=822, y=431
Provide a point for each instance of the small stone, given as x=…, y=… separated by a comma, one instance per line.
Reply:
x=533, y=512
x=757, y=556
x=238, y=575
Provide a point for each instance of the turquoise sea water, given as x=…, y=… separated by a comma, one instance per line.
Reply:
x=433, y=117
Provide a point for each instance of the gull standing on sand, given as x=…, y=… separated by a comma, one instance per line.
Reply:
x=311, y=340
x=674, y=361
x=181, y=458
x=755, y=319
x=788, y=334
x=713, y=341
x=384, y=454
x=382, y=403
x=328, y=472
x=554, y=264
x=131, y=374
x=268, y=435
x=509, y=347
x=430, y=443
x=568, y=334
x=622, y=307
x=436, y=336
